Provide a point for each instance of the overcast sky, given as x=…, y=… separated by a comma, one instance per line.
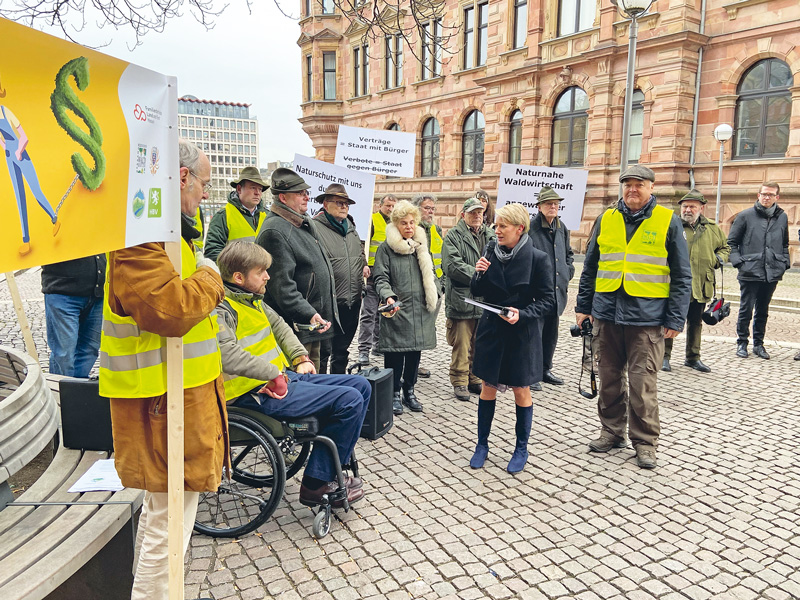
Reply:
x=247, y=57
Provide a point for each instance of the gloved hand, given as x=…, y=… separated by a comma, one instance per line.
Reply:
x=202, y=261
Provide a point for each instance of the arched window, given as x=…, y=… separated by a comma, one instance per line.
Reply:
x=515, y=137
x=430, y=148
x=637, y=127
x=472, y=143
x=763, y=109
x=393, y=127
x=569, y=128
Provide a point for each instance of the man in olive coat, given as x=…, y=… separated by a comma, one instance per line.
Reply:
x=708, y=249
x=550, y=235
x=463, y=246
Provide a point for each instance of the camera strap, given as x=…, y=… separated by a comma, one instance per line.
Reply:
x=592, y=375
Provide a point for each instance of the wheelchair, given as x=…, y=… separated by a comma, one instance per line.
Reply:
x=265, y=453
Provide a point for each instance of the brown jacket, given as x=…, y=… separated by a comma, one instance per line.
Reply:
x=143, y=285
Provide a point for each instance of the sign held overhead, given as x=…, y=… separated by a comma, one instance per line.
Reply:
x=377, y=151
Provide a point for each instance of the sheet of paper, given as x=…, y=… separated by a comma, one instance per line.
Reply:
x=101, y=477
x=490, y=307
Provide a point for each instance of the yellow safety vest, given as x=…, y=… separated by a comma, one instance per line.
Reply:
x=254, y=335
x=133, y=362
x=436, y=251
x=378, y=236
x=238, y=227
x=640, y=265
x=199, y=225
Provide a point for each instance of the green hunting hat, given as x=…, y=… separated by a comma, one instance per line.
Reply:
x=250, y=174
x=548, y=194
x=638, y=172
x=694, y=195
x=335, y=190
x=472, y=204
x=285, y=180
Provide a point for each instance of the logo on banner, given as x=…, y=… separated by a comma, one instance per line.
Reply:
x=138, y=204
x=154, y=203
x=154, y=156
x=141, y=159
x=139, y=114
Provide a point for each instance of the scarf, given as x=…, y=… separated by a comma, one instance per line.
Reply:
x=505, y=255
x=341, y=228
x=769, y=212
x=630, y=215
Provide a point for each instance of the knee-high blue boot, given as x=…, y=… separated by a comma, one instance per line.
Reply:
x=523, y=429
x=485, y=416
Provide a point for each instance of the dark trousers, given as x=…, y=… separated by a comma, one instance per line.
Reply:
x=336, y=348
x=694, y=329
x=370, y=328
x=754, y=295
x=549, y=340
x=405, y=366
x=339, y=402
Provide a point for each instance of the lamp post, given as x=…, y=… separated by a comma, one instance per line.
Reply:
x=722, y=134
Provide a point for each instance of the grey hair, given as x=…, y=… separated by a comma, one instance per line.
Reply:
x=189, y=155
x=387, y=197
x=418, y=199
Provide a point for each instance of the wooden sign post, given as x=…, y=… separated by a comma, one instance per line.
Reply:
x=21, y=317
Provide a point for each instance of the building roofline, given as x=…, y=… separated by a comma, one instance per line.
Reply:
x=200, y=101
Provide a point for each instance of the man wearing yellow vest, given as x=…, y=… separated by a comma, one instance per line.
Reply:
x=258, y=349
x=635, y=287
x=368, y=328
x=146, y=301
x=243, y=215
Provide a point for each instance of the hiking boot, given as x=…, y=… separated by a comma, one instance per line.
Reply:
x=606, y=442
x=646, y=456
x=461, y=393
x=363, y=358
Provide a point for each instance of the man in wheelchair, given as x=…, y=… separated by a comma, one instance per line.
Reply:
x=258, y=350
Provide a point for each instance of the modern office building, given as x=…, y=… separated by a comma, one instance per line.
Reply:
x=543, y=82
x=229, y=137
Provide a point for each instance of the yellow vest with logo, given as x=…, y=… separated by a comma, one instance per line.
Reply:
x=378, y=236
x=640, y=265
x=199, y=225
x=436, y=251
x=133, y=362
x=254, y=335
x=238, y=227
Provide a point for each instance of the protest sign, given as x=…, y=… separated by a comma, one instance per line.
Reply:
x=521, y=184
x=360, y=188
x=91, y=151
x=377, y=151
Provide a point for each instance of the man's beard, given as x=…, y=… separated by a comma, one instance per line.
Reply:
x=689, y=218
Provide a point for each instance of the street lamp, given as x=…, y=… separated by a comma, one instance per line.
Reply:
x=633, y=9
x=722, y=134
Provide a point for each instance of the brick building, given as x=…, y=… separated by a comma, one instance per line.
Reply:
x=543, y=83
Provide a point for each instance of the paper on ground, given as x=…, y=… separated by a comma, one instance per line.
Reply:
x=101, y=477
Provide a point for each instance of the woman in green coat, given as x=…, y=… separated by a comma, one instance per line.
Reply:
x=404, y=275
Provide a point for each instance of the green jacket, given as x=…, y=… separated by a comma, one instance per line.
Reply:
x=708, y=249
x=460, y=252
x=217, y=237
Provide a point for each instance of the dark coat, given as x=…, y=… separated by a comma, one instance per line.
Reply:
x=302, y=283
x=347, y=258
x=554, y=241
x=505, y=353
x=760, y=244
x=460, y=252
x=79, y=277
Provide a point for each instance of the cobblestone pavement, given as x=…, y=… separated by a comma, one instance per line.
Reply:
x=717, y=519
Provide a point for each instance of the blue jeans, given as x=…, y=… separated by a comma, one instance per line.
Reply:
x=338, y=401
x=73, y=333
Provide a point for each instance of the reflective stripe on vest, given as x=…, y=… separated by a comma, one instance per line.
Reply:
x=436, y=251
x=133, y=362
x=640, y=265
x=254, y=335
x=378, y=236
x=238, y=227
x=199, y=225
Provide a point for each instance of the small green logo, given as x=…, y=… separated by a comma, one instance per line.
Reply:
x=138, y=204
x=154, y=203
x=649, y=238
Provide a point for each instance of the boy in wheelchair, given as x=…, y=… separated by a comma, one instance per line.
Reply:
x=258, y=347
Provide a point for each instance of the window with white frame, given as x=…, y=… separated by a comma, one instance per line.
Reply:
x=575, y=15
x=393, y=65
x=431, y=51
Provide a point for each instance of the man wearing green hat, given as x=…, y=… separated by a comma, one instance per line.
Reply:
x=243, y=215
x=708, y=249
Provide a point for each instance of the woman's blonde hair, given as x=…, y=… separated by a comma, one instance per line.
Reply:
x=514, y=214
x=242, y=257
x=402, y=209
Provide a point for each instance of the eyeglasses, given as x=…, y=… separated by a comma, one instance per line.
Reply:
x=763, y=195
x=428, y=208
x=340, y=203
x=207, y=186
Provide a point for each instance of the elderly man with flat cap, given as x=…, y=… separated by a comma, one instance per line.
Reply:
x=339, y=238
x=635, y=287
x=302, y=288
x=708, y=249
x=243, y=215
x=549, y=234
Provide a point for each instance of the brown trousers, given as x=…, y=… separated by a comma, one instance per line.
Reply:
x=629, y=359
x=461, y=336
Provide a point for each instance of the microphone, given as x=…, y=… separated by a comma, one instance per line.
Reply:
x=486, y=253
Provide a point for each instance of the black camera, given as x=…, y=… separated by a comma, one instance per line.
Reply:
x=582, y=330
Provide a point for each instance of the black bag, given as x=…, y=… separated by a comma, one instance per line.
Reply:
x=380, y=417
x=85, y=415
x=717, y=309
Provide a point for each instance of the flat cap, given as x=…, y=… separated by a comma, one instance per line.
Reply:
x=285, y=180
x=638, y=172
x=694, y=195
x=250, y=174
x=334, y=191
x=472, y=204
x=548, y=194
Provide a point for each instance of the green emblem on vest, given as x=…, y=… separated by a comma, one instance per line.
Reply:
x=649, y=237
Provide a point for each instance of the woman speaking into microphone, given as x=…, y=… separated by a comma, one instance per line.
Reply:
x=508, y=347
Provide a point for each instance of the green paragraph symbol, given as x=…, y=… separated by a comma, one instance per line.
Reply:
x=63, y=99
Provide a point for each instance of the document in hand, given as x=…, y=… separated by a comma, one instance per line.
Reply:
x=498, y=310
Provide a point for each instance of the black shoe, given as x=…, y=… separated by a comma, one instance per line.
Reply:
x=475, y=388
x=760, y=352
x=741, y=350
x=797, y=356
x=548, y=377
x=697, y=365
x=423, y=372
x=397, y=405
x=536, y=387
x=410, y=400
x=665, y=366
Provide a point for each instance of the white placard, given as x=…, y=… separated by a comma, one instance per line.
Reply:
x=360, y=188
x=376, y=151
x=521, y=183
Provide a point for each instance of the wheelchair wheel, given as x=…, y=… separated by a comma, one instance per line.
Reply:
x=322, y=523
x=295, y=458
x=249, y=498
